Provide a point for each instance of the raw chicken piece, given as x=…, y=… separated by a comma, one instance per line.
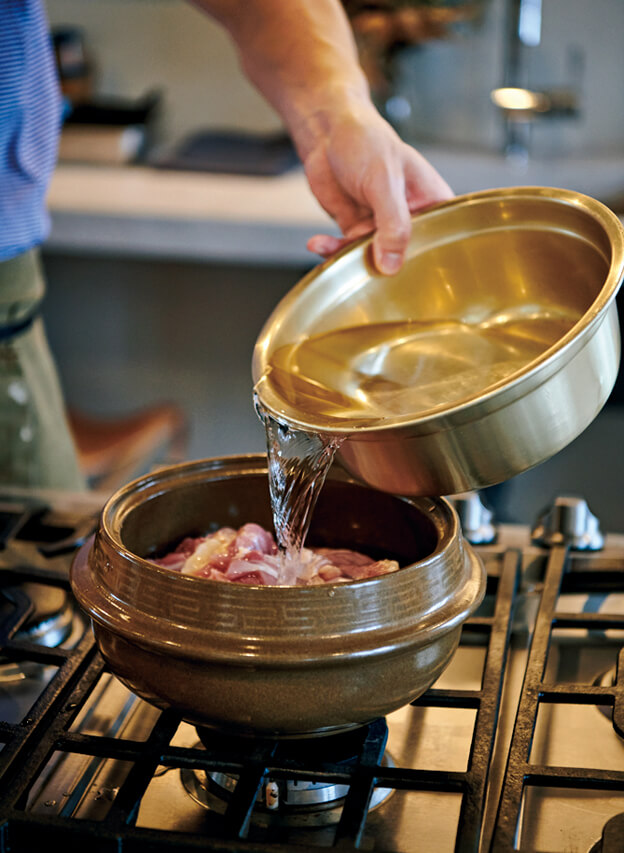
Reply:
x=250, y=555
x=354, y=565
x=208, y=550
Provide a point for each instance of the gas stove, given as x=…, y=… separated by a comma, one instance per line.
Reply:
x=518, y=746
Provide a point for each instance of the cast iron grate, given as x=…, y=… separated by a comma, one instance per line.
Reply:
x=29, y=742
x=562, y=576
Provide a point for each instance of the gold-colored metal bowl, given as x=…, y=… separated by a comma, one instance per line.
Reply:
x=279, y=661
x=494, y=346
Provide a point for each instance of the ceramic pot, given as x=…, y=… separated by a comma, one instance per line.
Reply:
x=275, y=661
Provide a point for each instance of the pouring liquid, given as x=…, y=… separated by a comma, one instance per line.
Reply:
x=298, y=463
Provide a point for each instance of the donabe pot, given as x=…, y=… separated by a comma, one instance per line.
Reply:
x=275, y=661
x=524, y=256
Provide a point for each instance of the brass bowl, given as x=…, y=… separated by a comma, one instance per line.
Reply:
x=509, y=297
x=278, y=661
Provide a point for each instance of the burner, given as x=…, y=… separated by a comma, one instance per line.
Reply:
x=290, y=802
x=46, y=616
x=569, y=521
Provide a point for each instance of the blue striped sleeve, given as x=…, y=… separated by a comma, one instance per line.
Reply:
x=30, y=109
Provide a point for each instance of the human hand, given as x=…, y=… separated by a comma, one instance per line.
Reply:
x=367, y=179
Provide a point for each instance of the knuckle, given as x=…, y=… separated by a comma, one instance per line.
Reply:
x=396, y=234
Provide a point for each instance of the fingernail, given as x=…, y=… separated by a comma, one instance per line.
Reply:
x=390, y=262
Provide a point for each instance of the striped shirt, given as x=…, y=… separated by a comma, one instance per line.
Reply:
x=30, y=111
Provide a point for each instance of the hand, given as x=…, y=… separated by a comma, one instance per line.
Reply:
x=367, y=179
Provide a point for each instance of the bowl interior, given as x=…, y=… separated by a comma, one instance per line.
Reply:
x=492, y=284
x=347, y=515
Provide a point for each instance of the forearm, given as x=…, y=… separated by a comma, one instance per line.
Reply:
x=301, y=56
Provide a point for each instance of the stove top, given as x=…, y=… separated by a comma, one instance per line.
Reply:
x=518, y=746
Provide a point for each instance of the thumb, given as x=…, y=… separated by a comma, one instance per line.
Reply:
x=394, y=227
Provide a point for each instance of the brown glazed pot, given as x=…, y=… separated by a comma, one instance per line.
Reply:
x=275, y=661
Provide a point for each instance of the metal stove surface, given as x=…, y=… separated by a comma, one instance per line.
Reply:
x=516, y=747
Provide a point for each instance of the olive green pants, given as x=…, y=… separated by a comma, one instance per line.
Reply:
x=36, y=446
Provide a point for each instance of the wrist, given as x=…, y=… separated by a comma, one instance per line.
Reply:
x=312, y=117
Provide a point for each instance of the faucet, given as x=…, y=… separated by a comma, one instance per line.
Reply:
x=521, y=105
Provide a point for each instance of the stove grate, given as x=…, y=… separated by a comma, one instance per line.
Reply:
x=560, y=577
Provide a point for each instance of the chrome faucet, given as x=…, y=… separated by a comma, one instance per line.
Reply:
x=521, y=105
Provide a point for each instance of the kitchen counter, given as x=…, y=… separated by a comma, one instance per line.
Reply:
x=154, y=213
x=148, y=212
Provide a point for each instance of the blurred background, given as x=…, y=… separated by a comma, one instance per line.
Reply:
x=180, y=214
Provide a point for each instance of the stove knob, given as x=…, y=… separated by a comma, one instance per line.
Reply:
x=475, y=518
x=569, y=522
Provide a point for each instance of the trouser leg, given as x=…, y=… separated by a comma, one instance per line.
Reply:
x=36, y=445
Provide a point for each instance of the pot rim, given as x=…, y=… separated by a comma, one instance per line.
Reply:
x=501, y=393
x=331, y=650
x=154, y=484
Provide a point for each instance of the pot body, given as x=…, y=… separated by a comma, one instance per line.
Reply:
x=529, y=254
x=275, y=661
x=285, y=702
